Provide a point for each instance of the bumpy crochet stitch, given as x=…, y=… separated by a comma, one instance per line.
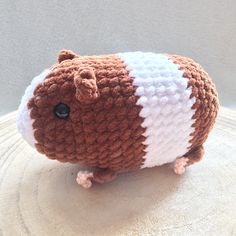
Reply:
x=106, y=133
x=126, y=111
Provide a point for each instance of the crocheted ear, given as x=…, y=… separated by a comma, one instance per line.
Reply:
x=65, y=55
x=86, y=85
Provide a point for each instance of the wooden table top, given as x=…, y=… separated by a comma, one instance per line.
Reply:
x=41, y=197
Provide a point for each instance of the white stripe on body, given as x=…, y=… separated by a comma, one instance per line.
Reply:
x=165, y=98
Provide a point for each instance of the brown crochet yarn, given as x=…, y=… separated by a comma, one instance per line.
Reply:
x=114, y=110
x=66, y=54
x=106, y=133
x=86, y=85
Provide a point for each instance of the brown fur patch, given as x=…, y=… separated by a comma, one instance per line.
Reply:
x=106, y=133
x=206, y=104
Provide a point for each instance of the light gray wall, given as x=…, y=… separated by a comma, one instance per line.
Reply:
x=32, y=32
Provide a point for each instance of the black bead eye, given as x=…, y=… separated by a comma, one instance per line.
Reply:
x=61, y=111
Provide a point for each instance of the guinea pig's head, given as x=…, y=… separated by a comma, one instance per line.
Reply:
x=52, y=107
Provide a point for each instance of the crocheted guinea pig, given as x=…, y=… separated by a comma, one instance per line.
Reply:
x=119, y=112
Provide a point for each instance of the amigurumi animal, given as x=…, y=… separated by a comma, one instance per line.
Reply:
x=119, y=112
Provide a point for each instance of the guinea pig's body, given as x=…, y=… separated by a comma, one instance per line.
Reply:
x=120, y=112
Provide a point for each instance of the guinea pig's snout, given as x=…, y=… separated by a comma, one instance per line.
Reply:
x=24, y=121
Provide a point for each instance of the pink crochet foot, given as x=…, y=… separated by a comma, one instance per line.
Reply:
x=84, y=178
x=180, y=164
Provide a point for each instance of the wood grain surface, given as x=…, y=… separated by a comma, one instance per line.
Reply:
x=40, y=197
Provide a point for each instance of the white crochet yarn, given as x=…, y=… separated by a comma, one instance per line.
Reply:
x=167, y=113
x=24, y=122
